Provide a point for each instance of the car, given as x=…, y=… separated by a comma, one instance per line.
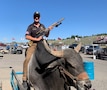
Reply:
x=1, y=48
x=83, y=47
x=4, y=51
x=92, y=49
x=18, y=50
x=73, y=45
x=101, y=53
x=24, y=46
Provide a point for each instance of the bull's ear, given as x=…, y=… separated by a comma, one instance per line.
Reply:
x=78, y=47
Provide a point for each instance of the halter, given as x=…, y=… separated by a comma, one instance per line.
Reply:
x=64, y=73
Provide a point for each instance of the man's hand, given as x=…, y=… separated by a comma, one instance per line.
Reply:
x=39, y=38
x=50, y=27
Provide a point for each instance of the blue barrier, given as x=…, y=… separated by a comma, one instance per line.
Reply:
x=15, y=82
x=89, y=68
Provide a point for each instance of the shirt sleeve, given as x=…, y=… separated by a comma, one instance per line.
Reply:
x=28, y=31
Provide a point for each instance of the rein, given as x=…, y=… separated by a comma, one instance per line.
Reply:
x=62, y=71
x=65, y=72
x=75, y=79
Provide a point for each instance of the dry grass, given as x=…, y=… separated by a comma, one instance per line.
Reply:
x=84, y=41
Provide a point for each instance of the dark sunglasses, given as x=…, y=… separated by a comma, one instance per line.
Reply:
x=36, y=18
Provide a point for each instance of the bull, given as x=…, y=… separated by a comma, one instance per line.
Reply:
x=57, y=70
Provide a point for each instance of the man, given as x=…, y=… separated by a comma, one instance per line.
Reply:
x=31, y=34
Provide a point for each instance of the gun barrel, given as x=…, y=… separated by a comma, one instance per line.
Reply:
x=58, y=22
x=62, y=19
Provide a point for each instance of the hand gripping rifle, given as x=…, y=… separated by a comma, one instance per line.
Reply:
x=43, y=32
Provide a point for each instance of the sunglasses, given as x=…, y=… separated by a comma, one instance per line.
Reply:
x=36, y=18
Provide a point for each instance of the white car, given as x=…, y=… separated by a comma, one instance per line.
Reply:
x=24, y=46
x=4, y=51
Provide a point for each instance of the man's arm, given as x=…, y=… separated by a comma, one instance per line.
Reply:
x=48, y=31
x=28, y=37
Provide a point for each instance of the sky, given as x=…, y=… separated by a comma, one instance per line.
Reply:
x=81, y=17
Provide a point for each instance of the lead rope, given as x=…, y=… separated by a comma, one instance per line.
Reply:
x=62, y=73
x=65, y=72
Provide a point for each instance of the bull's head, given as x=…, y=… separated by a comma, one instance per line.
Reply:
x=73, y=59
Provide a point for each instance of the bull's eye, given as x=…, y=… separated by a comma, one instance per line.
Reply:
x=68, y=65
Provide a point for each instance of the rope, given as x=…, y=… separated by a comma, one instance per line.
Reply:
x=65, y=72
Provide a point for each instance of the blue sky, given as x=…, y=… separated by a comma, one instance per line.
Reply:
x=82, y=17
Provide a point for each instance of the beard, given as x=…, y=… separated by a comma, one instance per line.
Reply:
x=36, y=22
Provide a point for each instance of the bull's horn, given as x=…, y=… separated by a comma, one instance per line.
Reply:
x=78, y=47
x=55, y=53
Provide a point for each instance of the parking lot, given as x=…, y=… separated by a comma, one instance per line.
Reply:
x=15, y=61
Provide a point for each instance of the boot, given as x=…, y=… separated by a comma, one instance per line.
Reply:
x=25, y=85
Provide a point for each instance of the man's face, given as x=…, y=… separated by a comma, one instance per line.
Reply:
x=37, y=19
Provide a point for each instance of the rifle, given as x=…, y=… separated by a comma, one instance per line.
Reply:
x=43, y=32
